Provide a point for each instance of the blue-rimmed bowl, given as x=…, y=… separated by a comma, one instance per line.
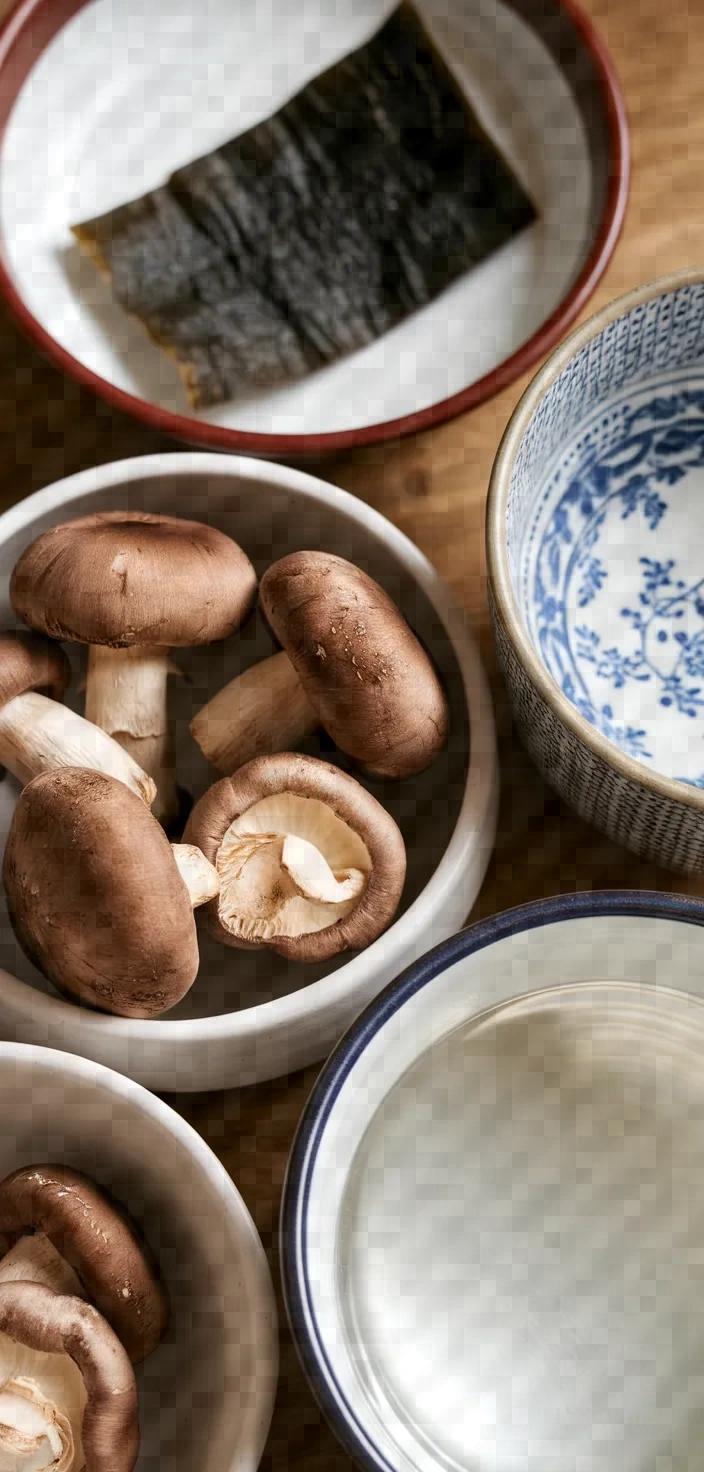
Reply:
x=494, y=1207
x=595, y=531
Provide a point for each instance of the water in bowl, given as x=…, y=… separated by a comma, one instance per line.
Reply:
x=520, y=1251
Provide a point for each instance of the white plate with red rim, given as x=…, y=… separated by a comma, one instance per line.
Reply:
x=101, y=99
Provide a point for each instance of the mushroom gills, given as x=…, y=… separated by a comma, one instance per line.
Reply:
x=263, y=710
x=289, y=866
x=42, y=1396
x=42, y=1400
x=34, y=1259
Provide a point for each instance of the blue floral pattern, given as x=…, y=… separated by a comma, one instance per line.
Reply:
x=627, y=470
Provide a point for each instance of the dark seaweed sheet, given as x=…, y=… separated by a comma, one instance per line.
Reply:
x=318, y=230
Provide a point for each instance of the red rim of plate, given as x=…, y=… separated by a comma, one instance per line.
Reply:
x=25, y=35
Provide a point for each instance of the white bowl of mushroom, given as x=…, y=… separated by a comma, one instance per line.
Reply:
x=137, y=1316
x=344, y=779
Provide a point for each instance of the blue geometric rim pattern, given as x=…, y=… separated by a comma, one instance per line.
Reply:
x=612, y=574
x=310, y=1345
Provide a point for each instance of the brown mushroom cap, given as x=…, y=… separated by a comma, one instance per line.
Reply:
x=363, y=670
x=56, y=1323
x=28, y=662
x=98, y=1242
x=128, y=578
x=305, y=776
x=95, y=896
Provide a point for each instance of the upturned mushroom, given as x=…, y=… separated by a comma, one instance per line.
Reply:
x=37, y=733
x=67, y=1391
x=69, y=1235
x=132, y=586
x=353, y=666
x=310, y=864
x=68, y=1396
x=99, y=899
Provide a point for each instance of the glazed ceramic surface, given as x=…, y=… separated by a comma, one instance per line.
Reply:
x=595, y=522
x=125, y=92
x=207, y=1392
x=251, y=1014
x=494, y=1209
x=611, y=574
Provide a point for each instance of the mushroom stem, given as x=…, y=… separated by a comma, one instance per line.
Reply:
x=34, y=1259
x=263, y=710
x=199, y=876
x=126, y=696
x=314, y=878
x=38, y=734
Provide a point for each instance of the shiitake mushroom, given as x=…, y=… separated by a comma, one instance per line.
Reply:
x=351, y=663
x=309, y=863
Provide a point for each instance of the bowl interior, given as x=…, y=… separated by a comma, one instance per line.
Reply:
x=605, y=526
x=494, y=1216
x=268, y=520
x=206, y=1392
x=227, y=67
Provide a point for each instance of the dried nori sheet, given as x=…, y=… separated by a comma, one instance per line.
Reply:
x=318, y=230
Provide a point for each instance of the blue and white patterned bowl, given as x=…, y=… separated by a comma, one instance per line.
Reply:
x=595, y=533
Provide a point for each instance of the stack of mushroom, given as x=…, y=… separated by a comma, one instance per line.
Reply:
x=350, y=663
x=80, y=1305
x=38, y=734
x=288, y=852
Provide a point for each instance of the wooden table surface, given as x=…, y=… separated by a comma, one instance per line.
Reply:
x=434, y=488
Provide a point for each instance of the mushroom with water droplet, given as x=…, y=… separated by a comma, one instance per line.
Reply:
x=133, y=585
x=99, y=899
x=309, y=863
x=350, y=663
x=68, y=1396
x=67, y=1391
x=38, y=733
x=92, y=1241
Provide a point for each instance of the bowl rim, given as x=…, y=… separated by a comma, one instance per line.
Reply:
x=315, y=1361
x=498, y=572
x=27, y=31
x=475, y=826
x=258, y=1296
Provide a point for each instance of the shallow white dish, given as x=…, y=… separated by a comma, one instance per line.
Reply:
x=252, y=1015
x=120, y=93
x=494, y=1208
x=206, y=1394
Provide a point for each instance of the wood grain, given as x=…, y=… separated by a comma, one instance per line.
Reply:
x=434, y=488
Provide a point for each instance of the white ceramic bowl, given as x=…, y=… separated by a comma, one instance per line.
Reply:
x=253, y=1015
x=494, y=1209
x=594, y=533
x=207, y=1392
x=133, y=107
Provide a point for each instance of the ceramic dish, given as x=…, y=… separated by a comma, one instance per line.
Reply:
x=493, y=1213
x=594, y=526
x=97, y=109
x=207, y=1392
x=251, y=1014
